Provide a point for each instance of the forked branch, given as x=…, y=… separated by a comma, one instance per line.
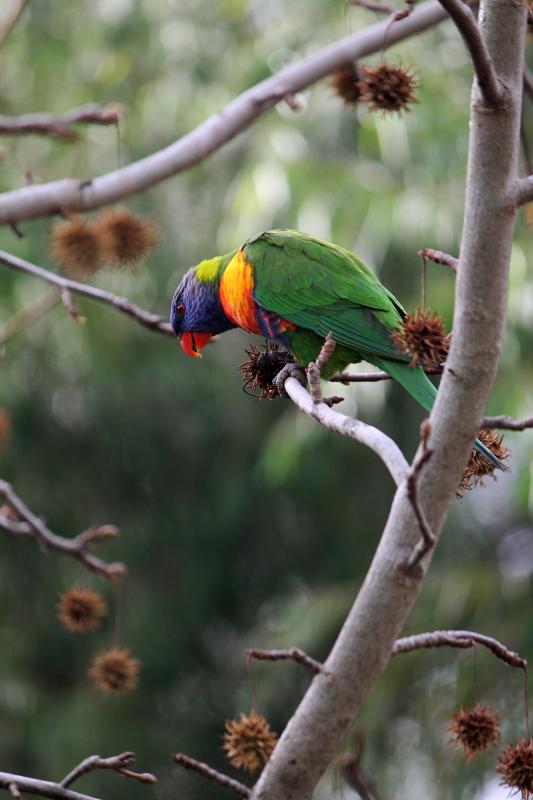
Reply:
x=465, y=21
x=463, y=639
x=16, y=519
x=145, y=318
x=61, y=126
x=19, y=785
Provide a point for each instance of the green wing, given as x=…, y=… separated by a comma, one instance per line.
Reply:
x=322, y=287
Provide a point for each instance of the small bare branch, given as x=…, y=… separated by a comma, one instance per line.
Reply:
x=465, y=21
x=294, y=654
x=145, y=318
x=18, y=784
x=116, y=763
x=61, y=126
x=438, y=257
x=462, y=639
x=368, y=435
x=524, y=191
x=428, y=539
x=210, y=773
x=374, y=377
x=352, y=772
x=11, y=16
x=14, y=791
x=20, y=521
x=507, y=423
x=315, y=368
x=68, y=302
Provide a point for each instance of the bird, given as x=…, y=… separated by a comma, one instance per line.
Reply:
x=294, y=289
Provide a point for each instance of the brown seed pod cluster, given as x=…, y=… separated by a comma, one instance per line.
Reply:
x=345, y=83
x=424, y=338
x=261, y=367
x=127, y=239
x=516, y=767
x=474, y=729
x=81, y=610
x=78, y=247
x=387, y=88
x=116, y=238
x=480, y=467
x=249, y=741
x=115, y=671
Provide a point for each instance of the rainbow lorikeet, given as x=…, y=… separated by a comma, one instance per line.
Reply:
x=294, y=289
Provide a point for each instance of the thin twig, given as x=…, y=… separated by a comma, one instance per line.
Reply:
x=11, y=16
x=116, y=763
x=314, y=369
x=524, y=191
x=507, y=423
x=26, y=523
x=438, y=257
x=374, y=377
x=428, y=537
x=20, y=784
x=210, y=773
x=61, y=126
x=353, y=773
x=28, y=315
x=462, y=639
x=145, y=318
x=372, y=437
x=466, y=23
x=293, y=654
x=50, y=198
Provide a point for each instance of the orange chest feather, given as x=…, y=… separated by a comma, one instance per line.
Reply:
x=236, y=287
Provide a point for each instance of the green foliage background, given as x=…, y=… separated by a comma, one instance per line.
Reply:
x=244, y=524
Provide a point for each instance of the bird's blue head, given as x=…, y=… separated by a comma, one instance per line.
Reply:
x=196, y=312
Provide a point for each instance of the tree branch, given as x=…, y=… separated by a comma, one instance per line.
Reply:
x=11, y=16
x=376, y=440
x=428, y=540
x=491, y=89
x=212, y=775
x=523, y=192
x=438, y=257
x=364, y=644
x=145, y=318
x=17, y=784
x=374, y=377
x=462, y=639
x=61, y=126
x=39, y=200
x=16, y=519
x=508, y=423
x=293, y=654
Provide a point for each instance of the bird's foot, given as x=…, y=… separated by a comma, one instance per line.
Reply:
x=289, y=371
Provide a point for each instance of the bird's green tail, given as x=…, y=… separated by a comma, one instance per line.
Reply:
x=417, y=383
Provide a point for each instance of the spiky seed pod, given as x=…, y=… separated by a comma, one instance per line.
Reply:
x=78, y=246
x=261, y=367
x=423, y=337
x=516, y=767
x=474, y=729
x=388, y=87
x=479, y=467
x=249, y=741
x=127, y=238
x=345, y=83
x=5, y=427
x=115, y=671
x=81, y=610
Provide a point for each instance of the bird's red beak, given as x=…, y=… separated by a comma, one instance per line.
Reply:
x=192, y=343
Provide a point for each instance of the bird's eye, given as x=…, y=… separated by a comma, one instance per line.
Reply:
x=180, y=309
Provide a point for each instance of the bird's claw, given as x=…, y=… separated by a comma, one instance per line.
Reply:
x=289, y=371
